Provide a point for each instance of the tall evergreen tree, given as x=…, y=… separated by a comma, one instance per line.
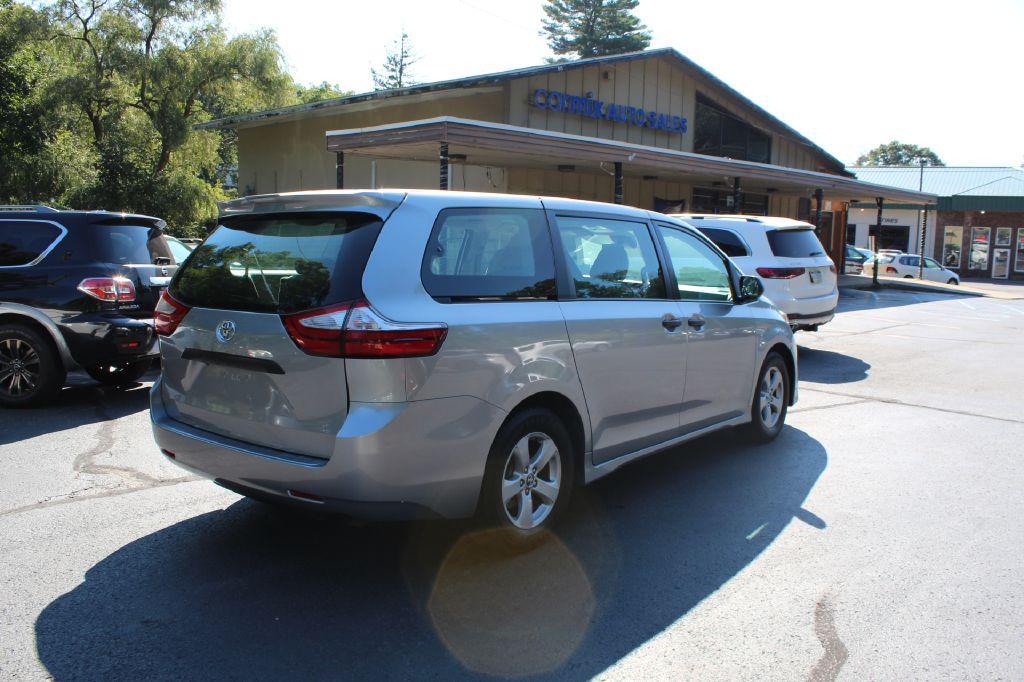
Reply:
x=395, y=71
x=592, y=28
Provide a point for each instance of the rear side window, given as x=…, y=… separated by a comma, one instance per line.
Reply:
x=728, y=241
x=23, y=241
x=795, y=243
x=129, y=244
x=610, y=258
x=279, y=263
x=489, y=253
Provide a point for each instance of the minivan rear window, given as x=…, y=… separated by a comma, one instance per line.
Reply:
x=795, y=243
x=279, y=263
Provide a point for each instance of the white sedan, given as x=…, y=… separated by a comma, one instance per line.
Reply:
x=908, y=266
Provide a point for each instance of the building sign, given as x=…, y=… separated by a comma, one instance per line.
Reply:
x=552, y=100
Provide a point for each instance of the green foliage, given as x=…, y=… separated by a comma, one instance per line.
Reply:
x=395, y=72
x=99, y=99
x=899, y=154
x=592, y=28
x=318, y=93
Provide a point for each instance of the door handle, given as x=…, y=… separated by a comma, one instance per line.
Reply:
x=671, y=323
x=697, y=322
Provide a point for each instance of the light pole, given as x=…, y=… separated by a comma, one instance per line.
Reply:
x=924, y=222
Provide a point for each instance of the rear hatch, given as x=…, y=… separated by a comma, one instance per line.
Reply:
x=231, y=367
x=799, y=248
x=140, y=253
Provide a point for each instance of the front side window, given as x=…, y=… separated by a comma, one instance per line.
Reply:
x=24, y=241
x=610, y=258
x=727, y=240
x=489, y=253
x=930, y=264
x=701, y=274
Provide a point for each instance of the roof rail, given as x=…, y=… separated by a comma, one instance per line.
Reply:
x=38, y=208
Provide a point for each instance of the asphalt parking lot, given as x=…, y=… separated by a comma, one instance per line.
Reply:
x=879, y=537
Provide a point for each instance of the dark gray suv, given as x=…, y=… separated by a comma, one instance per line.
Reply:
x=392, y=354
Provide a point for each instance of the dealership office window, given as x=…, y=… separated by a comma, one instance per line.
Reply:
x=720, y=133
x=721, y=201
x=980, y=238
x=952, y=247
x=1018, y=264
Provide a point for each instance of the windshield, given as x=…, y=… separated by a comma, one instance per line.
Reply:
x=795, y=243
x=279, y=263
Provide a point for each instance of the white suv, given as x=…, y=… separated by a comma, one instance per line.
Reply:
x=798, y=276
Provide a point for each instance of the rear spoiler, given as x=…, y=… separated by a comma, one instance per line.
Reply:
x=378, y=202
x=105, y=218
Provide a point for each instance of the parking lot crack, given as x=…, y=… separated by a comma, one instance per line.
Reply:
x=893, y=401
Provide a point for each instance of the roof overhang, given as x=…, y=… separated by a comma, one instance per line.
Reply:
x=496, y=144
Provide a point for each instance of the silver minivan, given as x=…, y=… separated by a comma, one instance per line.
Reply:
x=401, y=354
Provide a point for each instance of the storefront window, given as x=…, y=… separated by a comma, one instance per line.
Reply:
x=980, y=239
x=1003, y=236
x=721, y=201
x=952, y=246
x=1018, y=263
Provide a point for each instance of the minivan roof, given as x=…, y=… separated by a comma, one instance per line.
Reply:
x=383, y=201
x=731, y=219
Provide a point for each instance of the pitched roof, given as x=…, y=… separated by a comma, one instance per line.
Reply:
x=502, y=76
x=948, y=181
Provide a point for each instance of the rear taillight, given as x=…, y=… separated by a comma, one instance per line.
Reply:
x=108, y=288
x=356, y=330
x=780, y=273
x=168, y=314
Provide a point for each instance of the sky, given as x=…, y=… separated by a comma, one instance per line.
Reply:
x=849, y=75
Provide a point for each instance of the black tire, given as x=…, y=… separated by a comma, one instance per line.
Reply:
x=952, y=281
x=35, y=360
x=120, y=373
x=493, y=510
x=908, y=277
x=758, y=430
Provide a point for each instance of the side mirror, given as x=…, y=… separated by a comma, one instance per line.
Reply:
x=750, y=289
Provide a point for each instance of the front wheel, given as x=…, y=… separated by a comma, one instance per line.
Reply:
x=121, y=372
x=771, y=400
x=908, y=277
x=952, y=281
x=530, y=475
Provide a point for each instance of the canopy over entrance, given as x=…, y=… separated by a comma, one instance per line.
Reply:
x=495, y=144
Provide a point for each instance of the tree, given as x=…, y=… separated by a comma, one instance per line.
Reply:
x=395, y=71
x=899, y=154
x=591, y=28
x=317, y=93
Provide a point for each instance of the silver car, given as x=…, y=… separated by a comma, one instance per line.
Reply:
x=397, y=354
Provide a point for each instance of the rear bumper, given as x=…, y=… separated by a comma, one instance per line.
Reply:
x=390, y=461
x=98, y=338
x=805, y=312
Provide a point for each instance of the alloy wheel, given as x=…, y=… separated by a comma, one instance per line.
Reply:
x=772, y=396
x=19, y=367
x=530, y=480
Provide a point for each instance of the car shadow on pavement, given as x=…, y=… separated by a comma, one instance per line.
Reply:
x=250, y=592
x=828, y=367
x=82, y=401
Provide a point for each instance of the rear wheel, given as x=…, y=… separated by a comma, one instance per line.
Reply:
x=953, y=281
x=530, y=475
x=771, y=400
x=31, y=371
x=908, y=277
x=121, y=372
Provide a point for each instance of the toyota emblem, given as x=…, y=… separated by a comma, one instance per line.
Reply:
x=225, y=331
